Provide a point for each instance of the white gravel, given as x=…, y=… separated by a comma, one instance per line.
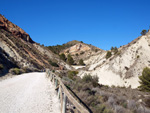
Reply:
x=28, y=93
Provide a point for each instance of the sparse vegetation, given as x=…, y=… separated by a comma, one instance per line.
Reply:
x=145, y=80
x=53, y=63
x=82, y=52
x=1, y=66
x=93, y=79
x=72, y=74
x=114, y=50
x=81, y=62
x=143, y=32
x=77, y=54
x=58, y=48
x=96, y=50
x=105, y=99
x=16, y=71
x=108, y=55
x=63, y=57
x=70, y=59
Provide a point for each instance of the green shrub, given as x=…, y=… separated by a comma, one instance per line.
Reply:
x=81, y=62
x=108, y=55
x=63, y=57
x=138, y=56
x=53, y=63
x=1, y=66
x=145, y=80
x=16, y=71
x=143, y=32
x=72, y=74
x=82, y=52
x=96, y=50
x=95, y=81
x=87, y=78
x=77, y=54
x=114, y=49
x=70, y=60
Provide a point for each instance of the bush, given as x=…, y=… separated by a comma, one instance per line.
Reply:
x=95, y=81
x=16, y=71
x=82, y=52
x=108, y=55
x=96, y=50
x=114, y=49
x=63, y=57
x=145, y=80
x=143, y=32
x=70, y=60
x=53, y=63
x=147, y=102
x=88, y=78
x=81, y=62
x=77, y=54
x=1, y=66
x=72, y=74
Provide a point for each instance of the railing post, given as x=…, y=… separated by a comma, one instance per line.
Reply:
x=59, y=92
x=53, y=79
x=56, y=83
x=61, y=97
x=64, y=103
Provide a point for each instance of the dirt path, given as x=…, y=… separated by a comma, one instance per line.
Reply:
x=28, y=93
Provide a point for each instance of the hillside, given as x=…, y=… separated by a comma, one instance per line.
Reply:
x=123, y=68
x=77, y=49
x=58, y=48
x=17, y=49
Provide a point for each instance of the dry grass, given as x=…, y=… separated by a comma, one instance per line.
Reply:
x=104, y=99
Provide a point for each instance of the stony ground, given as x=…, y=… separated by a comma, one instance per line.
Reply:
x=28, y=93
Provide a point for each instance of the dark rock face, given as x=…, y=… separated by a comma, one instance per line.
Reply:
x=7, y=62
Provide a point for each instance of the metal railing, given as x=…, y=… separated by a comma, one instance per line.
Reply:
x=64, y=94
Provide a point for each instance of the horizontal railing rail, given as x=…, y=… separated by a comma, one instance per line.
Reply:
x=64, y=94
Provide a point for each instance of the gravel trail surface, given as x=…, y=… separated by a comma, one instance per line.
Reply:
x=28, y=93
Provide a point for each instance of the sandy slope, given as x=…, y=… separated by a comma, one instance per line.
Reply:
x=124, y=68
x=28, y=93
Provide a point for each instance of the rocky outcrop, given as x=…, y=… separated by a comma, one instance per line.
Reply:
x=14, y=29
x=77, y=49
x=81, y=51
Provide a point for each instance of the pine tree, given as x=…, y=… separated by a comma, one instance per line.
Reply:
x=145, y=80
x=108, y=54
x=143, y=32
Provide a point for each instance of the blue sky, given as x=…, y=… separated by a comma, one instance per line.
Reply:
x=103, y=23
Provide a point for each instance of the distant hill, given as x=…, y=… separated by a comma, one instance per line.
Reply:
x=58, y=48
x=77, y=49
